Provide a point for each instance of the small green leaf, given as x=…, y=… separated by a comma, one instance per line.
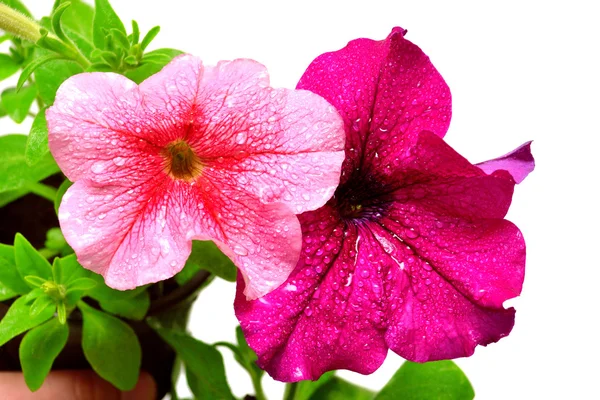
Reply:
x=56, y=21
x=6, y=293
x=339, y=389
x=207, y=256
x=134, y=308
x=39, y=348
x=81, y=284
x=34, y=281
x=189, y=270
x=29, y=261
x=17, y=104
x=135, y=32
x=70, y=270
x=154, y=62
x=17, y=320
x=62, y=189
x=61, y=312
x=37, y=141
x=433, y=380
x=40, y=304
x=14, y=172
x=202, y=361
x=8, y=66
x=77, y=19
x=149, y=37
x=105, y=18
x=12, y=195
x=33, y=65
x=306, y=389
x=120, y=38
x=34, y=294
x=9, y=275
x=111, y=347
x=55, y=240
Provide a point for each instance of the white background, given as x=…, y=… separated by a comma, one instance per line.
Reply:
x=518, y=71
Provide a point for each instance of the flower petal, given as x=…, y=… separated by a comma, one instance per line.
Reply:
x=519, y=163
x=322, y=318
x=281, y=145
x=382, y=89
x=92, y=125
x=132, y=235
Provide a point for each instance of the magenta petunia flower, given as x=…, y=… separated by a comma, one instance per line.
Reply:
x=412, y=253
x=193, y=152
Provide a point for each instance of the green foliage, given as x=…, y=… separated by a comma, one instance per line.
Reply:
x=151, y=63
x=39, y=348
x=17, y=103
x=105, y=19
x=29, y=261
x=339, y=389
x=203, y=364
x=304, y=390
x=14, y=172
x=37, y=141
x=111, y=347
x=50, y=75
x=62, y=189
x=8, y=66
x=9, y=276
x=77, y=19
x=206, y=255
x=18, y=319
x=441, y=380
x=33, y=65
x=131, y=304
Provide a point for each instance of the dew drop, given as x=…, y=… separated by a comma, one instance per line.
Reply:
x=240, y=250
x=241, y=137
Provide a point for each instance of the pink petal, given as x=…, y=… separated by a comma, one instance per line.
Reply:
x=382, y=89
x=282, y=145
x=323, y=317
x=91, y=129
x=519, y=163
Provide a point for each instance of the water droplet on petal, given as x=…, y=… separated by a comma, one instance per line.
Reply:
x=240, y=250
x=241, y=137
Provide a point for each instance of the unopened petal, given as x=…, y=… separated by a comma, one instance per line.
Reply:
x=518, y=163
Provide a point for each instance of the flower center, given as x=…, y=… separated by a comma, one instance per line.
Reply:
x=360, y=200
x=181, y=162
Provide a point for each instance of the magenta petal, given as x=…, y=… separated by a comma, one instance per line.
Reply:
x=328, y=315
x=519, y=163
x=383, y=90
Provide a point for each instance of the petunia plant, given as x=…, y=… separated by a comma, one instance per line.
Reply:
x=350, y=226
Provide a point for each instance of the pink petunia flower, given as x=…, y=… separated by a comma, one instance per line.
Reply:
x=193, y=152
x=412, y=253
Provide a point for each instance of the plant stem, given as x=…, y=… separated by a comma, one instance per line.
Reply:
x=258, y=389
x=45, y=191
x=290, y=391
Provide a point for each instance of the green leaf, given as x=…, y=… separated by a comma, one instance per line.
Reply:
x=78, y=19
x=339, y=389
x=33, y=65
x=9, y=275
x=12, y=195
x=29, y=261
x=17, y=5
x=34, y=294
x=306, y=389
x=8, y=66
x=153, y=62
x=14, y=172
x=17, y=320
x=62, y=189
x=433, y=380
x=52, y=74
x=37, y=141
x=39, y=348
x=134, y=308
x=17, y=104
x=55, y=240
x=249, y=356
x=34, y=281
x=207, y=256
x=203, y=362
x=61, y=312
x=189, y=270
x=84, y=284
x=135, y=32
x=120, y=38
x=40, y=304
x=149, y=37
x=70, y=270
x=105, y=18
x=104, y=293
x=111, y=347
x=6, y=293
